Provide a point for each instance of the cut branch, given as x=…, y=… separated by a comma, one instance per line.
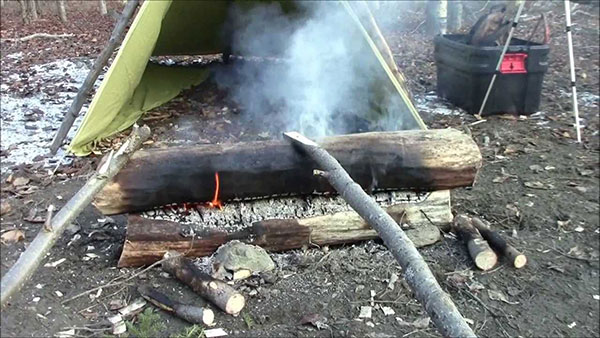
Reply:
x=147, y=240
x=407, y=160
x=484, y=257
x=190, y=313
x=37, y=249
x=38, y=35
x=216, y=291
x=436, y=302
x=499, y=244
x=115, y=38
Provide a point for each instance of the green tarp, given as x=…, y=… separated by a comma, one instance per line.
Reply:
x=133, y=86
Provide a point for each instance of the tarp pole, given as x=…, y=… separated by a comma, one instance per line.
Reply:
x=115, y=38
x=510, y=34
x=572, y=66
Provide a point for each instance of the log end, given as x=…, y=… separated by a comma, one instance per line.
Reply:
x=208, y=317
x=485, y=260
x=520, y=261
x=235, y=304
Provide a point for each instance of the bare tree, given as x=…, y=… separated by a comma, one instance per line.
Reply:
x=1, y=3
x=103, y=9
x=436, y=12
x=455, y=12
x=24, y=12
x=62, y=10
x=33, y=9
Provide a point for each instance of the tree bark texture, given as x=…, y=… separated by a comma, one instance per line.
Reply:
x=62, y=10
x=437, y=303
x=103, y=9
x=417, y=159
x=147, y=240
x=455, y=13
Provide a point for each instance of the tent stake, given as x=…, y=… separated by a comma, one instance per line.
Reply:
x=572, y=66
x=29, y=260
x=115, y=37
x=437, y=304
x=510, y=34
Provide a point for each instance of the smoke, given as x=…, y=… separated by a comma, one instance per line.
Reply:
x=323, y=81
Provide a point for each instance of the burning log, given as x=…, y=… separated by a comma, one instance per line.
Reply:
x=422, y=160
x=436, y=302
x=147, y=240
x=484, y=257
x=216, y=291
x=499, y=244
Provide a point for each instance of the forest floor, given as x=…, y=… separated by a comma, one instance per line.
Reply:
x=537, y=186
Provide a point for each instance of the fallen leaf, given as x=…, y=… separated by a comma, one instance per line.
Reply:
x=535, y=185
x=5, y=208
x=511, y=149
x=365, y=312
x=12, y=236
x=315, y=319
x=388, y=310
x=536, y=168
x=20, y=181
x=419, y=323
x=499, y=296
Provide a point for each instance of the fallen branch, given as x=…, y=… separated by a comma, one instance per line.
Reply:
x=190, y=313
x=499, y=244
x=115, y=37
x=37, y=249
x=38, y=35
x=436, y=302
x=216, y=291
x=484, y=257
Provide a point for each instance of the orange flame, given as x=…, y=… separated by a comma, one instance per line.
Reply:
x=215, y=203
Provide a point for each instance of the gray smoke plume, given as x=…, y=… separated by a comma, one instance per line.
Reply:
x=323, y=81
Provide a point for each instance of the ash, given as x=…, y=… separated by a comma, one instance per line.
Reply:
x=239, y=215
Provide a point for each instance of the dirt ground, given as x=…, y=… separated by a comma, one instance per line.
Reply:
x=537, y=186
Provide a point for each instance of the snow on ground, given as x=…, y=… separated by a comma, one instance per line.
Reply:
x=30, y=122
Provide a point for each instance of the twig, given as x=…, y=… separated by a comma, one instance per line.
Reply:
x=110, y=284
x=38, y=35
x=416, y=28
x=562, y=253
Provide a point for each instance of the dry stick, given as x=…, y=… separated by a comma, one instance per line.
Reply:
x=38, y=35
x=37, y=249
x=218, y=292
x=484, y=257
x=436, y=302
x=190, y=313
x=499, y=244
x=115, y=37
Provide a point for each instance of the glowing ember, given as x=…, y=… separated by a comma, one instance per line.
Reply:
x=215, y=203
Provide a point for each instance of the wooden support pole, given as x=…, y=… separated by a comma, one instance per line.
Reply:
x=147, y=240
x=436, y=302
x=115, y=38
x=484, y=257
x=37, y=249
x=216, y=291
x=517, y=259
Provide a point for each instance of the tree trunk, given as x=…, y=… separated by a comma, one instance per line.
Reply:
x=436, y=13
x=147, y=239
x=33, y=9
x=455, y=12
x=62, y=10
x=24, y=12
x=422, y=160
x=103, y=9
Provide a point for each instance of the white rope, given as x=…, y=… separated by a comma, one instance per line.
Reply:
x=572, y=66
x=510, y=34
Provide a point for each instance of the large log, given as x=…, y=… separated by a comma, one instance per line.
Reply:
x=421, y=160
x=147, y=240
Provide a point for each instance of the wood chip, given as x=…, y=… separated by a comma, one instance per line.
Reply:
x=55, y=263
x=5, y=208
x=365, y=312
x=388, y=310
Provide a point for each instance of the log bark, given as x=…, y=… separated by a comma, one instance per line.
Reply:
x=216, y=291
x=406, y=160
x=37, y=249
x=147, y=240
x=517, y=259
x=190, y=313
x=428, y=292
x=484, y=257
x=33, y=10
x=115, y=38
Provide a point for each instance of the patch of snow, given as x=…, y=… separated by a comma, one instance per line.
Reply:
x=28, y=124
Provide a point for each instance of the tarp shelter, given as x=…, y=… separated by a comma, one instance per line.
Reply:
x=134, y=85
